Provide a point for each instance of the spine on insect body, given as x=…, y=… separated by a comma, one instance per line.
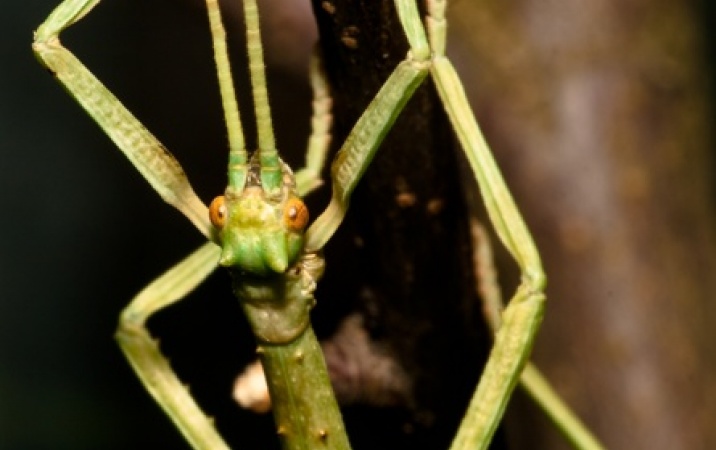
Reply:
x=305, y=410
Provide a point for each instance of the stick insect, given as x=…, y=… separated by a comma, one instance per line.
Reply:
x=259, y=230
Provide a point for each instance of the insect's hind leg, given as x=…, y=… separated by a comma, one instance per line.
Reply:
x=143, y=353
x=522, y=317
x=531, y=380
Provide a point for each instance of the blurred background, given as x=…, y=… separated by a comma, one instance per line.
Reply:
x=600, y=115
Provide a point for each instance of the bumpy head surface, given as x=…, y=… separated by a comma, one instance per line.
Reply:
x=261, y=233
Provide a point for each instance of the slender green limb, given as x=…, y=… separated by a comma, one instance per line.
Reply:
x=513, y=343
x=147, y=154
x=531, y=380
x=360, y=146
x=488, y=288
x=237, y=146
x=500, y=205
x=309, y=177
x=62, y=17
x=143, y=352
x=412, y=26
x=437, y=26
x=573, y=430
x=522, y=317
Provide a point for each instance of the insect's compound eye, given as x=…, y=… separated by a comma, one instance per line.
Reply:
x=295, y=214
x=218, y=212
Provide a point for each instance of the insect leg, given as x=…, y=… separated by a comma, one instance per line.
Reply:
x=143, y=352
x=144, y=151
x=309, y=177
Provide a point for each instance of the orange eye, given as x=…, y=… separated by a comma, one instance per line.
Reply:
x=295, y=214
x=217, y=212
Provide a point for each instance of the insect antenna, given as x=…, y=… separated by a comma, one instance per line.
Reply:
x=237, y=145
x=270, y=166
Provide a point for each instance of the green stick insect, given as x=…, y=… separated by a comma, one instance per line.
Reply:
x=259, y=231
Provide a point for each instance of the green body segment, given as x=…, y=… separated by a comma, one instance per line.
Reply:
x=303, y=422
x=305, y=410
x=255, y=239
x=261, y=223
x=260, y=234
x=277, y=304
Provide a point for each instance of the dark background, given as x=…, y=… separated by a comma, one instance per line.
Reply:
x=82, y=233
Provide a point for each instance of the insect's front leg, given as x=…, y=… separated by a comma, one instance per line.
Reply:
x=143, y=353
x=360, y=146
x=167, y=177
x=144, y=151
